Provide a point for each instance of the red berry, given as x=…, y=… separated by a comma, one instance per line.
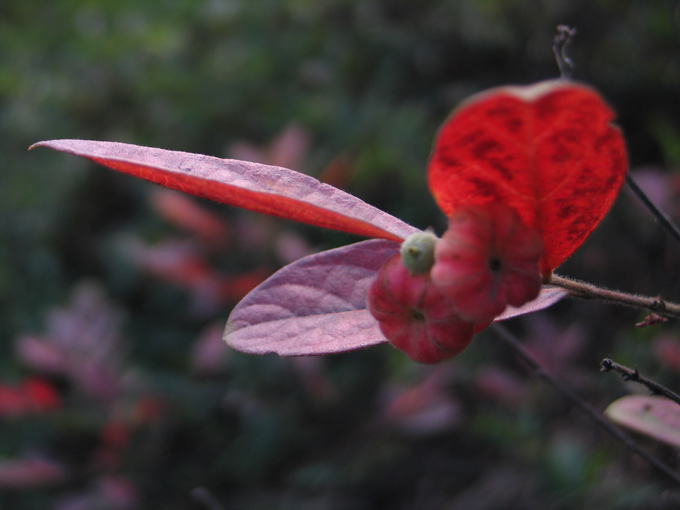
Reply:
x=415, y=317
x=486, y=260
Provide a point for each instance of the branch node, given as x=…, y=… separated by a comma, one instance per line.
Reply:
x=659, y=305
x=630, y=374
x=650, y=320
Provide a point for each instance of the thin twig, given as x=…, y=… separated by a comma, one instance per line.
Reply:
x=660, y=216
x=629, y=374
x=560, y=43
x=584, y=290
x=510, y=340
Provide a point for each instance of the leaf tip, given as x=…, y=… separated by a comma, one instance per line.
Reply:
x=37, y=144
x=57, y=144
x=228, y=330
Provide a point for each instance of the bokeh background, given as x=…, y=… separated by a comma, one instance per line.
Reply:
x=116, y=391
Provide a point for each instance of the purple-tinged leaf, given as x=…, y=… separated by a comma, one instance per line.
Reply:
x=548, y=296
x=262, y=188
x=651, y=415
x=316, y=305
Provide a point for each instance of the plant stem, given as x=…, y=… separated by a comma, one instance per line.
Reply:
x=660, y=216
x=630, y=374
x=583, y=290
x=560, y=43
x=511, y=341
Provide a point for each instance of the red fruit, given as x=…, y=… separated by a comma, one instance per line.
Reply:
x=486, y=260
x=414, y=316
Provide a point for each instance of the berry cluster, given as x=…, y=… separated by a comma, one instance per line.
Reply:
x=432, y=298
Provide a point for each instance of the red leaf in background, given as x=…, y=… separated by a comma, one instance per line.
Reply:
x=184, y=212
x=177, y=261
x=83, y=342
x=338, y=172
x=182, y=263
x=261, y=188
x=288, y=149
x=548, y=150
x=42, y=395
x=666, y=349
x=30, y=473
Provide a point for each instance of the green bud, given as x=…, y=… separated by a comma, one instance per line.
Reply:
x=417, y=252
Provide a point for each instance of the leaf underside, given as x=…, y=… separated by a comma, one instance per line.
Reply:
x=317, y=305
x=267, y=189
x=651, y=415
x=548, y=296
x=548, y=150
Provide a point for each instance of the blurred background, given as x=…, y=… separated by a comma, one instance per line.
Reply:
x=116, y=391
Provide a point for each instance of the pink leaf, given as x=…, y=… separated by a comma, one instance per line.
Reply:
x=262, y=188
x=188, y=215
x=30, y=473
x=651, y=415
x=316, y=305
x=548, y=296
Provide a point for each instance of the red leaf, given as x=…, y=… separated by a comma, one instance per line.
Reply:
x=549, y=150
x=41, y=394
x=262, y=188
x=187, y=214
x=316, y=305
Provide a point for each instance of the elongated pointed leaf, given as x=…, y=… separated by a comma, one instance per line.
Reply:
x=548, y=150
x=262, y=188
x=317, y=305
x=651, y=415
